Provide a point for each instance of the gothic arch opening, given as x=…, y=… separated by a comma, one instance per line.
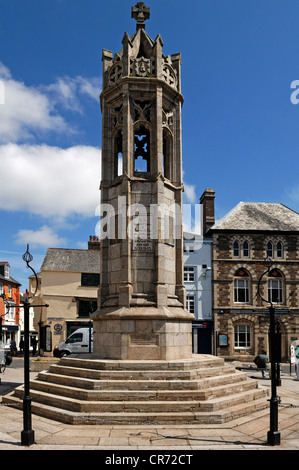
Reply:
x=167, y=154
x=118, y=154
x=142, y=150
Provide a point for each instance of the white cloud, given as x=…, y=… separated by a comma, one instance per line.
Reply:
x=44, y=237
x=190, y=194
x=50, y=181
x=28, y=110
x=90, y=86
x=25, y=112
x=293, y=193
x=4, y=72
x=66, y=91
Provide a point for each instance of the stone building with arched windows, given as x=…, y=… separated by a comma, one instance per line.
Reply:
x=242, y=241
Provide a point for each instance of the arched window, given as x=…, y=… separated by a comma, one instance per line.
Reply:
x=167, y=154
x=142, y=150
x=269, y=250
x=279, y=250
x=118, y=156
x=236, y=249
x=246, y=249
x=241, y=287
x=275, y=284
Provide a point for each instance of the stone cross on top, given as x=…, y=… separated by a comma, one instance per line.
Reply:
x=140, y=13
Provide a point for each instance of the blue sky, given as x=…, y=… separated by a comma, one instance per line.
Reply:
x=240, y=128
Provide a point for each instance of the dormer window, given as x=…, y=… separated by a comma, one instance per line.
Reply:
x=6, y=271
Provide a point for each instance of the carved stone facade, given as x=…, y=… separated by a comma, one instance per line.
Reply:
x=242, y=241
x=141, y=306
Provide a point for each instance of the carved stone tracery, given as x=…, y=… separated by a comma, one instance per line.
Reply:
x=167, y=119
x=117, y=116
x=169, y=74
x=142, y=111
x=143, y=67
x=116, y=72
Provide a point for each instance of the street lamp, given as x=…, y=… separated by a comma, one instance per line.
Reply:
x=27, y=435
x=273, y=436
x=90, y=325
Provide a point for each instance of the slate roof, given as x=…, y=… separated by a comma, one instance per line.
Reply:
x=72, y=260
x=8, y=279
x=260, y=216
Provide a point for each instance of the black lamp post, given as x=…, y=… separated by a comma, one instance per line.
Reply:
x=273, y=436
x=90, y=325
x=39, y=336
x=27, y=435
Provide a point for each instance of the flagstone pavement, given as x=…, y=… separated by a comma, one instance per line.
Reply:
x=248, y=432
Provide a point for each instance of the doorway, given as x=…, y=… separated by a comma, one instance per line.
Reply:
x=202, y=338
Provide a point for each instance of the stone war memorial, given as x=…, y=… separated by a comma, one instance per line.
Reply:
x=141, y=307
x=142, y=369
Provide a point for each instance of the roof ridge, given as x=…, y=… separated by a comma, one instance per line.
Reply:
x=263, y=216
x=70, y=249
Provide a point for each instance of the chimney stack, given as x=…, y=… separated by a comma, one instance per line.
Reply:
x=94, y=243
x=207, y=202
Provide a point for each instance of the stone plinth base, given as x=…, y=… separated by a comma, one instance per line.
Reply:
x=200, y=390
x=142, y=338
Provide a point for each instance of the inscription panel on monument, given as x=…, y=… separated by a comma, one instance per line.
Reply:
x=142, y=244
x=144, y=340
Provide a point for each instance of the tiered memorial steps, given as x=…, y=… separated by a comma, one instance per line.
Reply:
x=203, y=389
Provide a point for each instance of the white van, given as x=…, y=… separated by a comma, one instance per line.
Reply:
x=76, y=343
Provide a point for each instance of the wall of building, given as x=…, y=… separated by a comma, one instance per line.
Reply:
x=10, y=317
x=198, y=256
x=233, y=317
x=62, y=292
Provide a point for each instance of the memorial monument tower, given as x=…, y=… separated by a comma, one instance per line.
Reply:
x=141, y=304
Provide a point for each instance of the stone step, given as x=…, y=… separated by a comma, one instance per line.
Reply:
x=196, y=362
x=142, y=406
x=84, y=391
x=218, y=403
x=78, y=383
x=96, y=384
x=120, y=384
x=141, y=374
x=75, y=418
x=226, y=387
